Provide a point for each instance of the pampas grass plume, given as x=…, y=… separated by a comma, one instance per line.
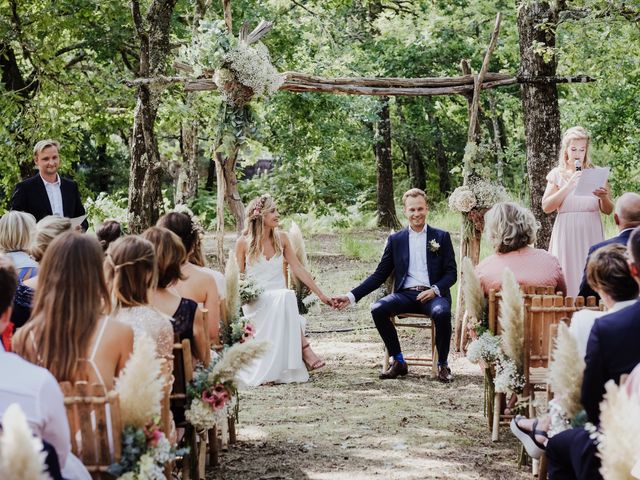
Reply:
x=21, y=455
x=619, y=447
x=565, y=372
x=474, y=300
x=512, y=319
x=232, y=280
x=239, y=356
x=140, y=385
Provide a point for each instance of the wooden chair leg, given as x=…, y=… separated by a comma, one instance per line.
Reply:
x=542, y=471
x=496, y=417
x=202, y=453
x=385, y=360
x=232, y=429
x=213, y=447
x=434, y=352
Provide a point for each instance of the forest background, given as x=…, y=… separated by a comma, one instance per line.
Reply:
x=65, y=65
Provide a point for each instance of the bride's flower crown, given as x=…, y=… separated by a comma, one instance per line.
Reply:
x=257, y=209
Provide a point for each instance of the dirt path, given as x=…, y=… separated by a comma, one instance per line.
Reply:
x=345, y=423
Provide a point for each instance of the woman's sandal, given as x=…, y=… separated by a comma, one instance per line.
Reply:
x=315, y=365
x=534, y=448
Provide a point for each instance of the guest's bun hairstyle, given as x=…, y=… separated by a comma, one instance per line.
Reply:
x=608, y=271
x=47, y=229
x=254, y=213
x=510, y=227
x=574, y=133
x=414, y=193
x=108, y=232
x=182, y=225
x=70, y=299
x=8, y=283
x=17, y=230
x=130, y=268
x=170, y=254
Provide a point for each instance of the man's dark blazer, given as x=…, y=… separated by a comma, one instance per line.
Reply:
x=613, y=349
x=441, y=265
x=585, y=288
x=31, y=196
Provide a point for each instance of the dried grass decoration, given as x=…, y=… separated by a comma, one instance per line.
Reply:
x=512, y=319
x=21, y=455
x=232, y=280
x=618, y=446
x=565, y=372
x=475, y=303
x=303, y=295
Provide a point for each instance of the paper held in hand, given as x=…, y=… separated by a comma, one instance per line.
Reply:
x=77, y=221
x=590, y=180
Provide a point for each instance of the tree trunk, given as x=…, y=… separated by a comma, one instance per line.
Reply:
x=412, y=153
x=384, y=168
x=211, y=175
x=187, y=184
x=540, y=105
x=442, y=162
x=145, y=195
x=497, y=143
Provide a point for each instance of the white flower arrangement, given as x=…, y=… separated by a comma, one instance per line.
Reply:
x=486, y=348
x=462, y=199
x=487, y=194
x=106, y=207
x=508, y=379
x=249, y=289
x=203, y=416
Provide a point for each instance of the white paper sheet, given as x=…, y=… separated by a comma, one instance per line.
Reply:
x=77, y=221
x=590, y=180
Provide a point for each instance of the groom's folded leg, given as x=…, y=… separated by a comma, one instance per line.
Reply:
x=382, y=311
x=439, y=309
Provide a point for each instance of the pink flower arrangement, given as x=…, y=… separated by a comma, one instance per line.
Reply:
x=153, y=434
x=216, y=397
x=248, y=333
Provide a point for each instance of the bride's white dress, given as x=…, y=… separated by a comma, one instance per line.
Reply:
x=276, y=319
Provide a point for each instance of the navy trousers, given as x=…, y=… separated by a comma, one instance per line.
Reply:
x=572, y=455
x=404, y=301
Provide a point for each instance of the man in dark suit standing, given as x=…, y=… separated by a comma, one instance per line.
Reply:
x=627, y=217
x=612, y=350
x=46, y=193
x=424, y=266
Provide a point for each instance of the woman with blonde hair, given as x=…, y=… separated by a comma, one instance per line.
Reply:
x=131, y=271
x=197, y=282
x=187, y=319
x=70, y=333
x=578, y=224
x=261, y=252
x=17, y=231
x=511, y=230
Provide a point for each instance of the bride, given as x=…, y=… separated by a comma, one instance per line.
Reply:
x=261, y=252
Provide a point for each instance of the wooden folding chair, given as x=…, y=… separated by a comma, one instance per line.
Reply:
x=95, y=425
x=420, y=322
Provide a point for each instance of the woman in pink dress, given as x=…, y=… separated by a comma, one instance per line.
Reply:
x=511, y=230
x=578, y=224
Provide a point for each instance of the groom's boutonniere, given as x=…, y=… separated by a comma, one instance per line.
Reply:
x=434, y=246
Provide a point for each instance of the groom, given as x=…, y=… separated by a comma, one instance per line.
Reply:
x=424, y=266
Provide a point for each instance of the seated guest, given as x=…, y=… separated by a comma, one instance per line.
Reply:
x=70, y=332
x=46, y=230
x=612, y=351
x=37, y=392
x=199, y=283
x=109, y=232
x=131, y=270
x=46, y=193
x=608, y=271
x=627, y=217
x=17, y=231
x=187, y=319
x=511, y=230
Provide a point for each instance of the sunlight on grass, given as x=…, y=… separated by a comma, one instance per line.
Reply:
x=360, y=249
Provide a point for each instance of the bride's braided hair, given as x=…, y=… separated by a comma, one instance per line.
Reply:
x=255, y=225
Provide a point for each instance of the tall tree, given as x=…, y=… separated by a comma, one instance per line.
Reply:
x=537, y=21
x=145, y=194
x=384, y=168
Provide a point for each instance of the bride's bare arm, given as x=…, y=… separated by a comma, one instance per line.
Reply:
x=241, y=253
x=298, y=270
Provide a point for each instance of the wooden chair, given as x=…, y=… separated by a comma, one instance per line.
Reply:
x=421, y=322
x=95, y=425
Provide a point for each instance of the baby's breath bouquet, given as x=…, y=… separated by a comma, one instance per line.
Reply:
x=210, y=400
x=249, y=290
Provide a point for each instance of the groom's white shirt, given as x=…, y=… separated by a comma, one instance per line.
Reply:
x=418, y=273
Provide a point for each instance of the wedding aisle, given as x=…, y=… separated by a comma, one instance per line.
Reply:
x=345, y=423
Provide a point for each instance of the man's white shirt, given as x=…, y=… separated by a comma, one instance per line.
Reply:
x=55, y=195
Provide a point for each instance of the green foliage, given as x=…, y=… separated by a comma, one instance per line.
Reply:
x=359, y=249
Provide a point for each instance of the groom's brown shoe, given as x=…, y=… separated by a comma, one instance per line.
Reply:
x=397, y=369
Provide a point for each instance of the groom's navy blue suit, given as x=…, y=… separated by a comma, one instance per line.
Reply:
x=441, y=267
